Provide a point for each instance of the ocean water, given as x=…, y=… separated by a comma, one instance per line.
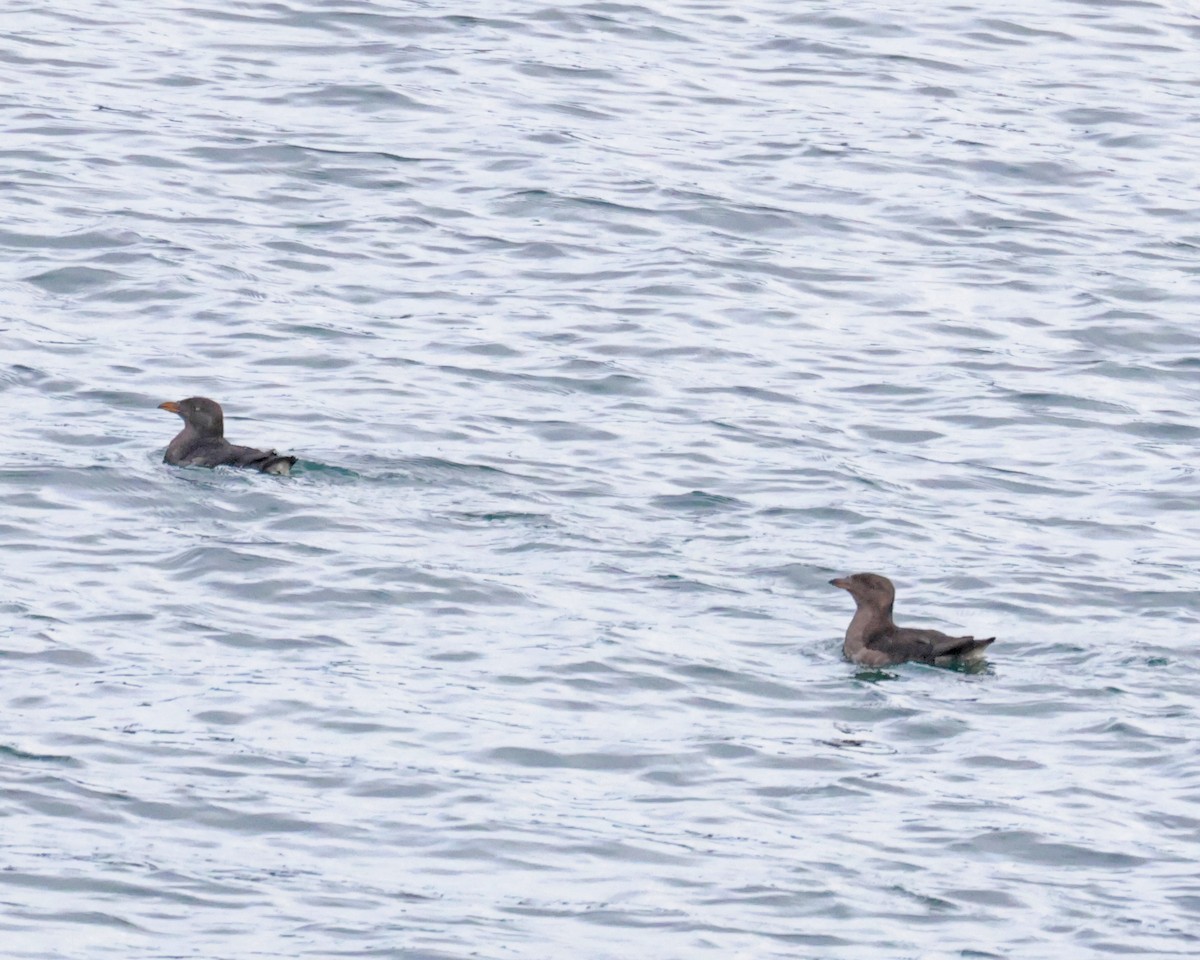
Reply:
x=606, y=334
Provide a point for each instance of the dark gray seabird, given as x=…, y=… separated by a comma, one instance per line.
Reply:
x=874, y=640
x=202, y=443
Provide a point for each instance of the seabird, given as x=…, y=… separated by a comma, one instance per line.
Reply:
x=202, y=443
x=874, y=640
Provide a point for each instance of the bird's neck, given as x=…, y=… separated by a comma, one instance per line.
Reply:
x=206, y=431
x=870, y=619
x=187, y=439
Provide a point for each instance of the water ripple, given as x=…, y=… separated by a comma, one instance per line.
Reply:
x=606, y=333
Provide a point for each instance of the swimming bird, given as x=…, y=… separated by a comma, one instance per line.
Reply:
x=202, y=443
x=874, y=640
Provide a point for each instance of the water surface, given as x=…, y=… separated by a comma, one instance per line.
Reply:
x=607, y=334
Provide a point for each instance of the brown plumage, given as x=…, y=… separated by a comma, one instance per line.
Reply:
x=202, y=443
x=874, y=640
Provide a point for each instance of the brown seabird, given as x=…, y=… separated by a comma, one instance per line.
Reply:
x=202, y=443
x=874, y=640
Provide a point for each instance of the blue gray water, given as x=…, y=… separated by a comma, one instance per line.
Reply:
x=607, y=334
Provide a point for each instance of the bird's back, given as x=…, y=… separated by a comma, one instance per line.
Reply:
x=927, y=646
x=219, y=452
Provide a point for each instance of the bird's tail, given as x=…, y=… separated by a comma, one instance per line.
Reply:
x=971, y=648
x=280, y=466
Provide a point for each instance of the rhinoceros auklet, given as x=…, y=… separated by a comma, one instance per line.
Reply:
x=202, y=443
x=874, y=640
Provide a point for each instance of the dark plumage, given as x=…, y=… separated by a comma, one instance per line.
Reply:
x=874, y=640
x=202, y=443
